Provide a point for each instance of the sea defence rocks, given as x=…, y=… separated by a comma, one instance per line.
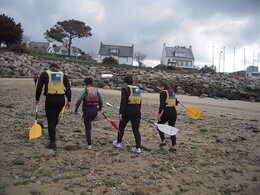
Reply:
x=212, y=85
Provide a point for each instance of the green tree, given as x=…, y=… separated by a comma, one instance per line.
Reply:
x=10, y=32
x=65, y=31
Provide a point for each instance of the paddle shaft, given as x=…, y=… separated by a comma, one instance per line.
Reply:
x=111, y=121
x=104, y=115
x=36, y=112
x=110, y=105
x=183, y=105
x=141, y=118
x=147, y=120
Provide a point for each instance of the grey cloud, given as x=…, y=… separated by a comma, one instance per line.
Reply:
x=147, y=24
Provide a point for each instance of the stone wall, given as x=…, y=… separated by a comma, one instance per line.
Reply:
x=197, y=84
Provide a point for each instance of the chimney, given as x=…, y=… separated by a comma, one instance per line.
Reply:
x=190, y=47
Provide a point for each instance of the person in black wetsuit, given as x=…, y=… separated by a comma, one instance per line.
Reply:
x=130, y=110
x=91, y=99
x=167, y=112
x=56, y=87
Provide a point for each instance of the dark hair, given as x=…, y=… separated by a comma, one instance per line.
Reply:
x=128, y=79
x=167, y=87
x=53, y=65
x=88, y=80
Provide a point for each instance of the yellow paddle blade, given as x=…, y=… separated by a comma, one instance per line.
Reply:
x=62, y=115
x=35, y=131
x=193, y=112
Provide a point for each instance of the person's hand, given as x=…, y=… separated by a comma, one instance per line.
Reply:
x=68, y=105
x=120, y=117
x=158, y=117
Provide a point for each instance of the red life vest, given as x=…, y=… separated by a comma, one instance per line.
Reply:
x=36, y=76
x=91, y=98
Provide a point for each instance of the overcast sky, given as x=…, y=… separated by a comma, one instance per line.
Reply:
x=147, y=24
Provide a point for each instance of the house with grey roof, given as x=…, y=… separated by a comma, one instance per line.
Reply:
x=47, y=47
x=252, y=72
x=178, y=56
x=38, y=46
x=123, y=54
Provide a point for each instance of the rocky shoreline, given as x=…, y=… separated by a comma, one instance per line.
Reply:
x=213, y=85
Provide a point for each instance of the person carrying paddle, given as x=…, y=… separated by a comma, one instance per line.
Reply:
x=167, y=112
x=56, y=86
x=130, y=110
x=91, y=99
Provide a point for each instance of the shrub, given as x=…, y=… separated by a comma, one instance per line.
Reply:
x=109, y=60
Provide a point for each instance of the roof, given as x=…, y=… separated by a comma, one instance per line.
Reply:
x=38, y=45
x=58, y=48
x=171, y=50
x=123, y=51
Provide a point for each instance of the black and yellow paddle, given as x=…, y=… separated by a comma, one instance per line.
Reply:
x=191, y=111
x=36, y=129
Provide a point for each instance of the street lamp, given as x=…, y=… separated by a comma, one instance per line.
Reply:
x=219, y=61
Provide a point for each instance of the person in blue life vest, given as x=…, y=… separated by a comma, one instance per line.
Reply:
x=56, y=87
x=92, y=102
x=167, y=112
x=130, y=110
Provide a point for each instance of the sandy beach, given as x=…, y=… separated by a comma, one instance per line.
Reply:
x=216, y=154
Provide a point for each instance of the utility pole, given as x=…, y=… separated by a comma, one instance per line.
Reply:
x=234, y=59
x=224, y=59
x=253, y=58
x=258, y=60
x=213, y=56
x=219, y=61
x=245, y=61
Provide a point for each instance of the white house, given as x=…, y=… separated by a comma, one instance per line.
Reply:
x=47, y=47
x=123, y=54
x=252, y=72
x=63, y=51
x=178, y=57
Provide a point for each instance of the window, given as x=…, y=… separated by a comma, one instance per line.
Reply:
x=113, y=50
x=184, y=63
x=189, y=63
x=255, y=74
x=180, y=54
x=179, y=63
x=64, y=51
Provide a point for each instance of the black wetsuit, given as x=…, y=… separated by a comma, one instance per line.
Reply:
x=89, y=112
x=169, y=115
x=132, y=113
x=53, y=103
